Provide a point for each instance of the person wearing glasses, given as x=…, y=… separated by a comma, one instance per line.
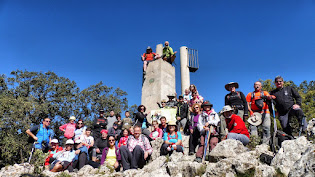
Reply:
x=41, y=134
x=288, y=103
x=163, y=104
x=141, y=120
x=80, y=130
x=68, y=129
x=64, y=158
x=193, y=128
x=111, y=155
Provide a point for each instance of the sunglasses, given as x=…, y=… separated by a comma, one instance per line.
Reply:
x=163, y=102
x=47, y=121
x=80, y=123
x=278, y=81
x=111, y=140
x=196, y=107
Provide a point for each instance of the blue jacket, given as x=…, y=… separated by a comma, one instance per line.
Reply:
x=82, y=149
x=43, y=134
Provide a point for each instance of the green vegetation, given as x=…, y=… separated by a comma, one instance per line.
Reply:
x=279, y=173
x=28, y=97
x=200, y=171
x=63, y=174
x=248, y=173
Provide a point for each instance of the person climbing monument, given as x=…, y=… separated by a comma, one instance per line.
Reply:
x=148, y=57
x=168, y=54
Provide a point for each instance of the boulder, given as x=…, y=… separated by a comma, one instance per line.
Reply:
x=227, y=148
x=305, y=166
x=290, y=152
x=155, y=164
x=156, y=146
x=265, y=170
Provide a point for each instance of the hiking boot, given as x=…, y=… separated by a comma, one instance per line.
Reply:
x=191, y=153
x=198, y=159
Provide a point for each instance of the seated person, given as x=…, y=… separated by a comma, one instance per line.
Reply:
x=80, y=130
x=82, y=156
x=163, y=124
x=235, y=125
x=172, y=140
x=124, y=138
x=111, y=155
x=148, y=57
x=187, y=96
x=157, y=132
x=99, y=145
x=64, y=158
x=136, y=153
x=168, y=54
x=113, y=131
x=162, y=105
x=87, y=139
x=53, y=150
x=171, y=103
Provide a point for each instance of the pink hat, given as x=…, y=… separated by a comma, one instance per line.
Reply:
x=104, y=131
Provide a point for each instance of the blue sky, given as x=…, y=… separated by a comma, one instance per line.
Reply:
x=92, y=41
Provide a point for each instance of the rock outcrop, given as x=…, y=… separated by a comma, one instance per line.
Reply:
x=295, y=158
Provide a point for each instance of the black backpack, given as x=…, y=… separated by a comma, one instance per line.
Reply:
x=259, y=102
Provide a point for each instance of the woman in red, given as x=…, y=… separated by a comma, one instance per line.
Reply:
x=147, y=57
x=235, y=125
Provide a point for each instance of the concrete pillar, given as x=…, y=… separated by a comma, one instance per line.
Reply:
x=159, y=82
x=159, y=49
x=184, y=70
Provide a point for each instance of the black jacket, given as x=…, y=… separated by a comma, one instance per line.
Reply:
x=182, y=110
x=101, y=143
x=139, y=117
x=286, y=97
x=238, y=100
x=98, y=127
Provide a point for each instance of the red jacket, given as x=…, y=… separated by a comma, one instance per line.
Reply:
x=235, y=124
x=51, y=153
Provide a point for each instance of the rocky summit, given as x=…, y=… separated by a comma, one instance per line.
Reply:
x=228, y=158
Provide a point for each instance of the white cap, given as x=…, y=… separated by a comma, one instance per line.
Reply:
x=78, y=141
x=226, y=108
x=69, y=141
x=72, y=118
x=54, y=141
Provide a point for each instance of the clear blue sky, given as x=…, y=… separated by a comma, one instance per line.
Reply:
x=92, y=41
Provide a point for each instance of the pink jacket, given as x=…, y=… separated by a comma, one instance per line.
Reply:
x=70, y=128
x=160, y=133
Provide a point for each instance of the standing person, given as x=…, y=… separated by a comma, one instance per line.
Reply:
x=182, y=113
x=100, y=143
x=172, y=140
x=235, y=125
x=119, y=122
x=288, y=104
x=141, y=120
x=193, y=128
x=148, y=57
x=256, y=104
x=41, y=134
x=127, y=121
x=168, y=54
x=87, y=139
x=236, y=100
x=157, y=132
x=53, y=150
x=111, y=119
x=137, y=152
x=64, y=158
x=99, y=124
x=111, y=155
x=80, y=130
x=68, y=129
x=171, y=103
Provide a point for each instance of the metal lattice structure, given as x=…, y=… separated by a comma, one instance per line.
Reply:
x=193, y=61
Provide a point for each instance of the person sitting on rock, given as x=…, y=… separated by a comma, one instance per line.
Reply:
x=194, y=131
x=148, y=57
x=137, y=152
x=99, y=145
x=208, y=121
x=163, y=104
x=111, y=155
x=87, y=139
x=196, y=99
x=64, y=158
x=172, y=140
x=82, y=155
x=157, y=132
x=235, y=125
x=53, y=150
x=163, y=124
x=113, y=131
x=124, y=138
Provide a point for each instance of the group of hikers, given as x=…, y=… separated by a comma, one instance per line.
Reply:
x=125, y=143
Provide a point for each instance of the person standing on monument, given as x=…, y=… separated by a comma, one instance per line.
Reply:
x=148, y=57
x=168, y=54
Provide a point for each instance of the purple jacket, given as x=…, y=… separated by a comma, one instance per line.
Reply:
x=104, y=154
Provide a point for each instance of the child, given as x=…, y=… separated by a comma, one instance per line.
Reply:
x=124, y=138
x=157, y=132
x=87, y=139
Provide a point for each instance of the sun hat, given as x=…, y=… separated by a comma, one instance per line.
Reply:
x=256, y=119
x=70, y=141
x=72, y=118
x=206, y=103
x=171, y=123
x=231, y=83
x=78, y=141
x=226, y=108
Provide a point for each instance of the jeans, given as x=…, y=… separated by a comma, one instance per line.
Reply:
x=240, y=137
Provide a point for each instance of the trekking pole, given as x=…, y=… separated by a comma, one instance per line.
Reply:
x=33, y=147
x=274, y=126
x=207, y=138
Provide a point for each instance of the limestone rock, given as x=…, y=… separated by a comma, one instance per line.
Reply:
x=186, y=168
x=290, y=152
x=155, y=164
x=305, y=166
x=265, y=170
x=85, y=170
x=311, y=127
x=227, y=148
x=156, y=146
x=263, y=148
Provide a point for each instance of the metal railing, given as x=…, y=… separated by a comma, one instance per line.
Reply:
x=193, y=61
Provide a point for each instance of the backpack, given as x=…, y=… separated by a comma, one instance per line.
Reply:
x=238, y=94
x=31, y=139
x=258, y=102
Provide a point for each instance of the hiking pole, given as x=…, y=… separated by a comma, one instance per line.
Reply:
x=207, y=139
x=33, y=147
x=274, y=126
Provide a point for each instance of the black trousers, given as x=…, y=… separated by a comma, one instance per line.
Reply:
x=164, y=151
x=82, y=160
x=285, y=119
x=194, y=140
x=132, y=160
